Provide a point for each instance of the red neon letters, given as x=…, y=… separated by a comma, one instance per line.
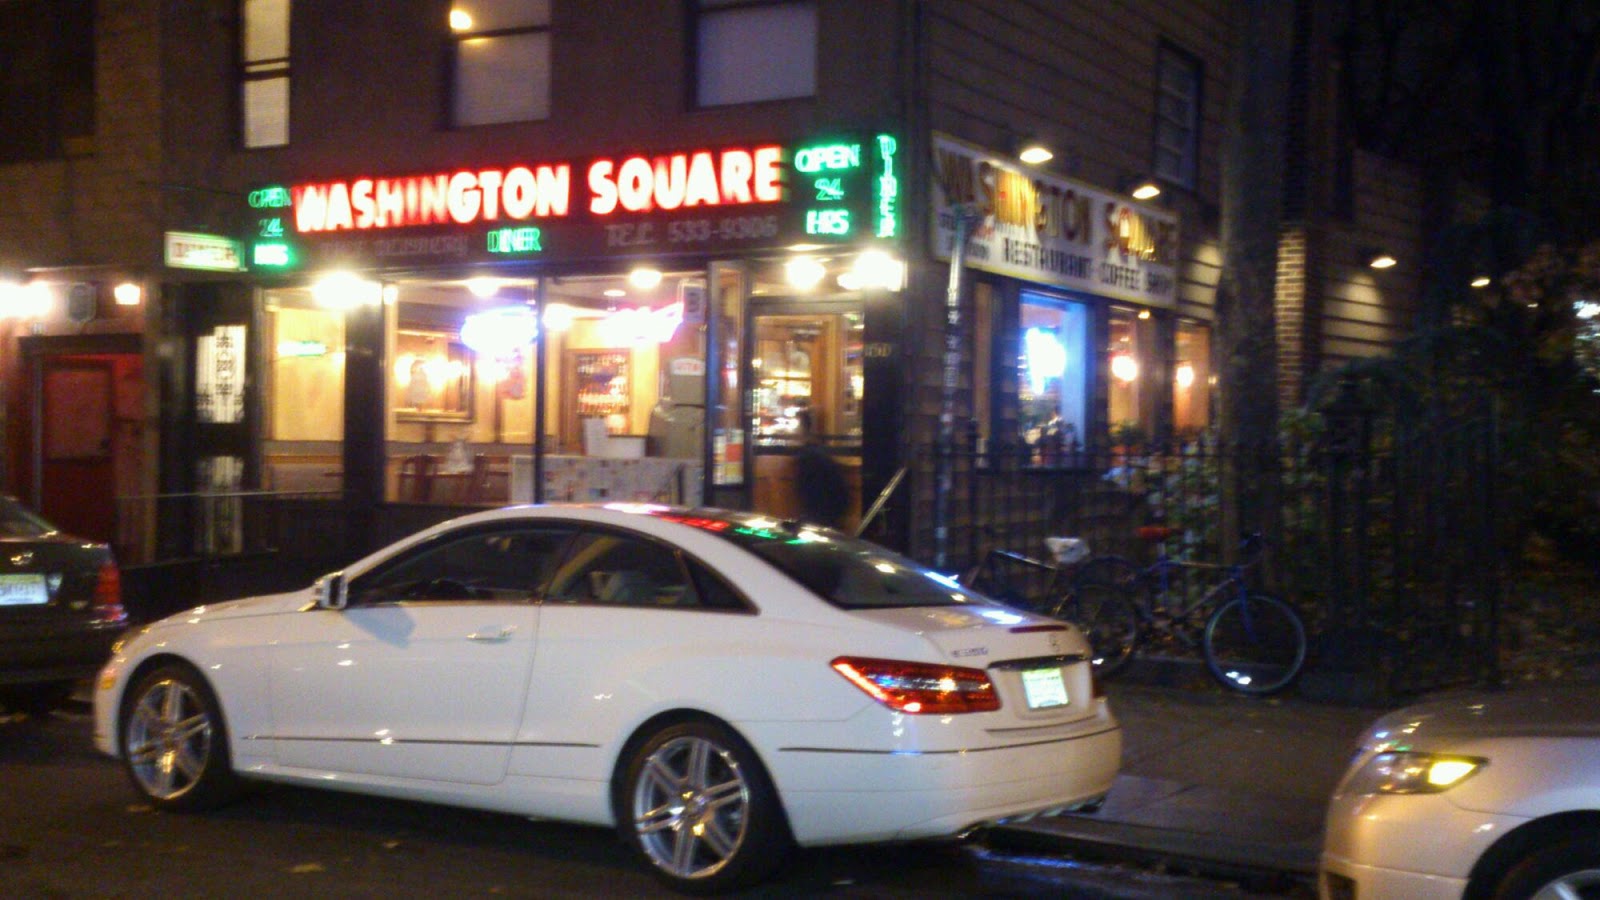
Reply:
x=637, y=184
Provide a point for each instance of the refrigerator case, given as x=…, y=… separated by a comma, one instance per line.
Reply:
x=678, y=420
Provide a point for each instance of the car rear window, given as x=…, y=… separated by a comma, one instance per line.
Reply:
x=16, y=521
x=848, y=572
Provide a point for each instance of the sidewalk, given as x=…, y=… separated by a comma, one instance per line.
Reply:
x=1227, y=784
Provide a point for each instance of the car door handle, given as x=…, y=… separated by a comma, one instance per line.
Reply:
x=493, y=637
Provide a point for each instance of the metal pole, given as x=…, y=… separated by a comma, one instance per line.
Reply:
x=945, y=458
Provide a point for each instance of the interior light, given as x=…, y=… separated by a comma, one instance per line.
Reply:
x=1144, y=313
x=1587, y=309
x=1382, y=261
x=1482, y=281
x=1046, y=357
x=483, y=287
x=1147, y=190
x=1184, y=375
x=804, y=272
x=499, y=332
x=460, y=20
x=1124, y=367
x=1034, y=153
x=127, y=294
x=644, y=279
x=557, y=317
x=614, y=292
x=344, y=290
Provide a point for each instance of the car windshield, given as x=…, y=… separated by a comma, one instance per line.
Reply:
x=848, y=572
x=17, y=521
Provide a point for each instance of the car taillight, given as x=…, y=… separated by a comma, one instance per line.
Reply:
x=108, y=595
x=920, y=688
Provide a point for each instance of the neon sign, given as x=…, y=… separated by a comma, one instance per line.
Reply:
x=888, y=189
x=514, y=240
x=641, y=184
x=714, y=199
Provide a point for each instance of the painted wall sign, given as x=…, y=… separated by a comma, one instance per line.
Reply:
x=1052, y=230
x=733, y=198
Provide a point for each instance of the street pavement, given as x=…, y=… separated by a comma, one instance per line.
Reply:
x=1216, y=782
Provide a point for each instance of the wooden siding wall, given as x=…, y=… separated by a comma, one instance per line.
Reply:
x=1365, y=310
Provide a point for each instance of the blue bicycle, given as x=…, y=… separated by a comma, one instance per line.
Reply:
x=1251, y=643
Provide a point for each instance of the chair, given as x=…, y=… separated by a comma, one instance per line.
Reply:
x=416, y=478
x=477, y=490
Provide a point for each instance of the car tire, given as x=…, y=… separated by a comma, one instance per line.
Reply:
x=174, y=742
x=697, y=806
x=37, y=700
x=1569, y=868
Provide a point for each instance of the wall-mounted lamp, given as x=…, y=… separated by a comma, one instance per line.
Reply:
x=1145, y=190
x=1378, y=259
x=1034, y=152
x=127, y=294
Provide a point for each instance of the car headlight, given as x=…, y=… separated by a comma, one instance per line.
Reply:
x=1408, y=772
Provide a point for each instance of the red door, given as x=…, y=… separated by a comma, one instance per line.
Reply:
x=77, y=484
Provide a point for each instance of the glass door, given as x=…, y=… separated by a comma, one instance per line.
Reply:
x=805, y=366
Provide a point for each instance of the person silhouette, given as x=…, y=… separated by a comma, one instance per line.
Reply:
x=824, y=493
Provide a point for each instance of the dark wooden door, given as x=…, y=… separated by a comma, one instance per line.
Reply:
x=78, y=476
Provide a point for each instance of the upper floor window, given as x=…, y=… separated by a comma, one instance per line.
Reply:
x=752, y=50
x=1177, y=116
x=46, y=79
x=264, y=76
x=502, y=61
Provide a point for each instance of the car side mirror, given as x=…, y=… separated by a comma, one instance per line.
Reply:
x=332, y=591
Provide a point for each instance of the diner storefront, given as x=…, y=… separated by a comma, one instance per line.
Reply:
x=1078, y=334
x=671, y=326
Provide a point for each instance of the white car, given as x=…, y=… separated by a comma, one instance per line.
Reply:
x=1491, y=795
x=717, y=686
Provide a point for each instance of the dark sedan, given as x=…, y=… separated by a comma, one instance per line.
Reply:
x=60, y=610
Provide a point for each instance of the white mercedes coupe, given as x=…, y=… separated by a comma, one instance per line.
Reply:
x=717, y=686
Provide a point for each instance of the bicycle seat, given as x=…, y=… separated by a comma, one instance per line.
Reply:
x=1067, y=550
x=1155, y=534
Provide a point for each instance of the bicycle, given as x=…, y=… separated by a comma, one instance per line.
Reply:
x=1251, y=643
x=1075, y=582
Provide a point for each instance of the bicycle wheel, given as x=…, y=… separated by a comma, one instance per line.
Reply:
x=1254, y=644
x=1108, y=619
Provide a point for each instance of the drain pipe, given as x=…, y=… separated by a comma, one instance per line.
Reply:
x=966, y=216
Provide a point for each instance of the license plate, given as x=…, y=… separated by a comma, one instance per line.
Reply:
x=23, y=590
x=1044, y=688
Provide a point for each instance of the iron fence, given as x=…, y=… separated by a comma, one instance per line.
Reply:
x=1383, y=534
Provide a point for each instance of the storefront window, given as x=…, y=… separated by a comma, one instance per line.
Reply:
x=304, y=393
x=626, y=387
x=1192, y=378
x=1052, y=372
x=1129, y=345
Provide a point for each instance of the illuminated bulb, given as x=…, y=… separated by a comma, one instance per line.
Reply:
x=875, y=268
x=483, y=287
x=1482, y=281
x=1035, y=154
x=1383, y=261
x=644, y=279
x=1147, y=191
x=1124, y=367
x=803, y=272
x=127, y=294
x=1184, y=375
x=460, y=20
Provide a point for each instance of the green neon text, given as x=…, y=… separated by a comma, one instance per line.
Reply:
x=515, y=240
